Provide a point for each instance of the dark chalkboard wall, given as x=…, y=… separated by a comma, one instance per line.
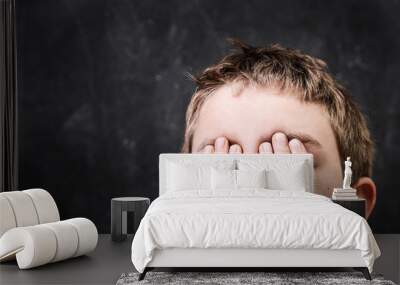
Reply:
x=103, y=91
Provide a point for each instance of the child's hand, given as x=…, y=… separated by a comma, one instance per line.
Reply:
x=221, y=145
x=279, y=144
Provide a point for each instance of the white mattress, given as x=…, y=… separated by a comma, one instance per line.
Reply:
x=250, y=218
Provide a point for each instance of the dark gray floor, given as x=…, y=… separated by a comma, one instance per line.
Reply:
x=110, y=260
x=102, y=266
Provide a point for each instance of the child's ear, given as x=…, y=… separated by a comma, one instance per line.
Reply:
x=366, y=189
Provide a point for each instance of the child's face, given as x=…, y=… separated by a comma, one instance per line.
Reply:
x=262, y=120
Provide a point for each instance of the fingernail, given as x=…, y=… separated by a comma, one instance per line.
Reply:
x=295, y=144
x=264, y=148
x=220, y=143
x=280, y=138
x=208, y=149
x=235, y=149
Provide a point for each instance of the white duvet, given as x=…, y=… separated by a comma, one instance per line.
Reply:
x=250, y=219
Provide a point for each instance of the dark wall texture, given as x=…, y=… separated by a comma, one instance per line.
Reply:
x=103, y=91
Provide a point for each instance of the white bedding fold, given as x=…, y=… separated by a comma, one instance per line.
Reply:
x=250, y=219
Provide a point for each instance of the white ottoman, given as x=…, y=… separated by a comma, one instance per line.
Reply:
x=31, y=232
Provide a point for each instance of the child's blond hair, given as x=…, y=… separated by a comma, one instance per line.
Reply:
x=289, y=69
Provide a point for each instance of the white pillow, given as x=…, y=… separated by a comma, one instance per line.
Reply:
x=237, y=179
x=281, y=174
x=223, y=179
x=189, y=174
x=293, y=178
x=188, y=177
x=251, y=178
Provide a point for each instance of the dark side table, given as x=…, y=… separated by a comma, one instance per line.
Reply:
x=355, y=205
x=119, y=208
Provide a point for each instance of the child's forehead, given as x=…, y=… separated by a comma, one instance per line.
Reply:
x=258, y=101
x=259, y=112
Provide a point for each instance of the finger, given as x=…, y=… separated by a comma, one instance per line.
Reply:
x=208, y=149
x=221, y=145
x=296, y=146
x=280, y=143
x=235, y=148
x=265, y=147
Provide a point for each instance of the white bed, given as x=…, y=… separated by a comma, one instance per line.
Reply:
x=280, y=225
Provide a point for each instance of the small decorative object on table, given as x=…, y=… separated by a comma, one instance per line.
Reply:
x=345, y=193
x=347, y=196
x=119, y=208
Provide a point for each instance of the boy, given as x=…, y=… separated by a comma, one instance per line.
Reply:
x=278, y=100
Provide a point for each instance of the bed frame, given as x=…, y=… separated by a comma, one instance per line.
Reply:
x=248, y=259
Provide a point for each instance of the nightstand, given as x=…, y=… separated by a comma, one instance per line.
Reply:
x=355, y=205
x=119, y=208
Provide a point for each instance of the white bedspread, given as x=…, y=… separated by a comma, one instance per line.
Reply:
x=250, y=219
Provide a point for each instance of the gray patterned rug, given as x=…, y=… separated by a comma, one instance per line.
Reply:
x=225, y=278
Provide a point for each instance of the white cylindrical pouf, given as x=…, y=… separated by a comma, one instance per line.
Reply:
x=7, y=218
x=87, y=234
x=23, y=208
x=40, y=244
x=67, y=239
x=34, y=245
x=45, y=205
